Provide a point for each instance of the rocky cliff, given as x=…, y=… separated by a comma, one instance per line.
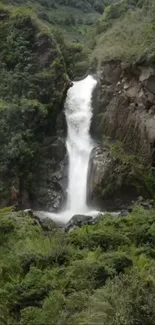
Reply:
x=125, y=107
x=124, y=110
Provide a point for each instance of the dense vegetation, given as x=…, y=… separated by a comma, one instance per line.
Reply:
x=125, y=32
x=100, y=274
x=32, y=87
x=70, y=16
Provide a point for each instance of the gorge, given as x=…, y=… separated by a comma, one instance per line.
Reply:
x=77, y=162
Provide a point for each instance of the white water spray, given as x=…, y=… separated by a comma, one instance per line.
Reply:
x=79, y=144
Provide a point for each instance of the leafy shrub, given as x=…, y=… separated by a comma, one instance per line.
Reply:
x=95, y=274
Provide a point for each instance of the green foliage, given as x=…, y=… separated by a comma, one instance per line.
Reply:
x=128, y=299
x=71, y=17
x=125, y=32
x=32, y=86
x=102, y=274
x=68, y=16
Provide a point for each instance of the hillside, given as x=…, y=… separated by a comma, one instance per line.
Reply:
x=71, y=17
x=125, y=32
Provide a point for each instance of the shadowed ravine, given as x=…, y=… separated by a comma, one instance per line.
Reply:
x=78, y=112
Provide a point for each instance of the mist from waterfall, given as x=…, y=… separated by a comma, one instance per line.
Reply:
x=78, y=112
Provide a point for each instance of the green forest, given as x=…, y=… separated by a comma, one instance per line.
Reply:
x=100, y=274
x=125, y=32
x=70, y=17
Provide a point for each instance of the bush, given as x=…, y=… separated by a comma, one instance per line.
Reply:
x=102, y=274
x=128, y=299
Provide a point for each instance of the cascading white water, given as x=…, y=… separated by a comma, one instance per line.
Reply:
x=79, y=144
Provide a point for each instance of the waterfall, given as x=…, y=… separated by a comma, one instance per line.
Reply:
x=79, y=143
x=78, y=112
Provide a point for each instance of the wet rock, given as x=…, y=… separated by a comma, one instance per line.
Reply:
x=78, y=221
x=146, y=205
x=71, y=228
x=98, y=165
x=47, y=224
x=28, y=212
x=124, y=213
x=48, y=187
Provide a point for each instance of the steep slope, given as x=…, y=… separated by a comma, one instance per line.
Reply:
x=33, y=84
x=125, y=32
x=123, y=50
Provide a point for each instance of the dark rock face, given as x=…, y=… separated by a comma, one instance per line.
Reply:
x=110, y=187
x=99, y=163
x=48, y=188
x=124, y=107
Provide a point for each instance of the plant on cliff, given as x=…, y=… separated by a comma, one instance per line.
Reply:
x=102, y=274
x=126, y=169
x=32, y=87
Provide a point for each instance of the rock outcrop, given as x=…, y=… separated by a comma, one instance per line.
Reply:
x=112, y=184
x=124, y=110
x=124, y=107
x=48, y=188
x=78, y=221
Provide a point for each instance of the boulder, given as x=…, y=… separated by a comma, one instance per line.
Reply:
x=46, y=223
x=124, y=213
x=78, y=221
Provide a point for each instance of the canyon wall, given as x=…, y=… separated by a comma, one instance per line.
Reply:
x=123, y=125
x=124, y=107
